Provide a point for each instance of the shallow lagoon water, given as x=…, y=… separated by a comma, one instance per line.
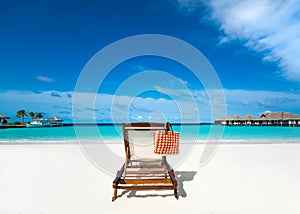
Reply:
x=189, y=134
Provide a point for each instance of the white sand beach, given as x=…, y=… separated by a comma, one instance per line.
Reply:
x=238, y=179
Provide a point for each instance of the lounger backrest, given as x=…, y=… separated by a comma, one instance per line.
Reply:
x=138, y=138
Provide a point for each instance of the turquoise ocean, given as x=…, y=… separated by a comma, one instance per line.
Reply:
x=188, y=134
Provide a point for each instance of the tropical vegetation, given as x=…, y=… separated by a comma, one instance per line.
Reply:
x=22, y=113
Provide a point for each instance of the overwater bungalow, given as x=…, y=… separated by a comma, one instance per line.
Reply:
x=265, y=119
x=3, y=118
x=55, y=121
x=280, y=119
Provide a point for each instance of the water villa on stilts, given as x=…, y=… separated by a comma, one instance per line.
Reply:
x=3, y=119
x=265, y=119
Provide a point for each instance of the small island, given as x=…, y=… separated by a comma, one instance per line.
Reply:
x=37, y=120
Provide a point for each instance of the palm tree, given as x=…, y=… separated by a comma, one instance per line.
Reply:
x=39, y=115
x=32, y=115
x=22, y=114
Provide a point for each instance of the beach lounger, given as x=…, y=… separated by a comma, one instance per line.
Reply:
x=143, y=169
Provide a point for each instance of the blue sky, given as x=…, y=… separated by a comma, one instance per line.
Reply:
x=254, y=47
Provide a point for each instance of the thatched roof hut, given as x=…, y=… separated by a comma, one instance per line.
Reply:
x=290, y=116
x=2, y=116
x=236, y=117
x=248, y=117
x=55, y=119
x=279, y=116
x=268, y=118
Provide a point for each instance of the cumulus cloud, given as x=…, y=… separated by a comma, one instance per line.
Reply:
x=45, y=79
x=172, y=92
x=269, y=27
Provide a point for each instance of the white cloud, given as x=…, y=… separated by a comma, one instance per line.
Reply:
x=44, y=79
x=172, y=92
x=269, y=27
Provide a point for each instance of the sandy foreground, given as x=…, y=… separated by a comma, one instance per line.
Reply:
x=238, y=179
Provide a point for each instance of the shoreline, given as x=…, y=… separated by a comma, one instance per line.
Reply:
x=24, y=126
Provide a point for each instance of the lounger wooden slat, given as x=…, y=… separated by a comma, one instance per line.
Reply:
x=145, y=172
x=156, y=187
x=146, y=181
x=145, y=167
x=145, y=176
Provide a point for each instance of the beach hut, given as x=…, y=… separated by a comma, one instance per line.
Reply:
x=55, y=120
x=248, y=120
x=237, y=119
x=3, y=118
x=265, y=119
x=280, y=119
x=290, y=119
x=271, y=119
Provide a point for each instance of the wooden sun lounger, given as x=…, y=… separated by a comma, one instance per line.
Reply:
x=144, y=173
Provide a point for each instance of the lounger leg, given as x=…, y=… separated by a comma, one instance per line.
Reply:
x=116, y=182
x=115, y=194
x=176, y=194
x=174, y=181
